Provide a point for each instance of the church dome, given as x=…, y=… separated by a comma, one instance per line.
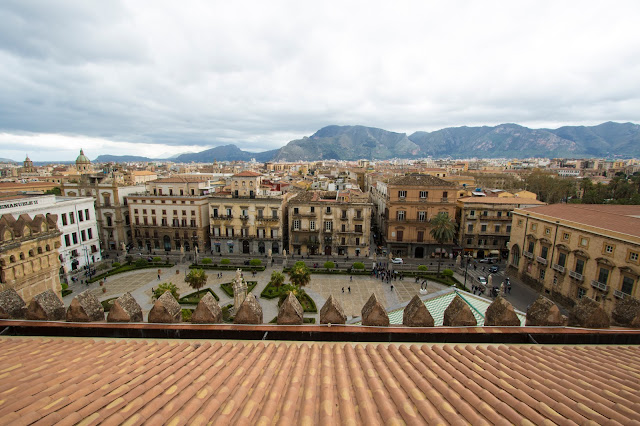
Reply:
x=82, y=159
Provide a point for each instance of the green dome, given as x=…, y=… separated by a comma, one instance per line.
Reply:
x=82, y=158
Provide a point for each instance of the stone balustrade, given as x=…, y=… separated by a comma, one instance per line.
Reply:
x=85, y=307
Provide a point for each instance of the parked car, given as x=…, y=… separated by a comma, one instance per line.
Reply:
x=494, y=269
x=397, y=260
x=489, y=260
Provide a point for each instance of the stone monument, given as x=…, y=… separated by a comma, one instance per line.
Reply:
x=239, y=289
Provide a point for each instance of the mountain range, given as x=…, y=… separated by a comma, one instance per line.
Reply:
x=502, y=141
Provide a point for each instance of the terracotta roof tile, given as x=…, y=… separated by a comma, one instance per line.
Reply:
x=180, y=382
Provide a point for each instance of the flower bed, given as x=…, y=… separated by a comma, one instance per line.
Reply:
x=107, y=304
x=271, y=292
x=194, y=298
x=228, y=287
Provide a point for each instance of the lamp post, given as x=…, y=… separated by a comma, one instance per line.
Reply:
x=466, y=268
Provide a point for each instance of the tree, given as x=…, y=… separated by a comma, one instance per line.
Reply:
x=443, y=229
x=300, y=275
x=255, y=262
x=164, y=287
x=277, y=279
x=53, y=191
x=358, y=265
x=329, y=265
x=196, y=278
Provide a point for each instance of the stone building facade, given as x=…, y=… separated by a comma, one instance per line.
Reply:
x=110, y=201
x=570, y=251
x=246, y=218
x=172, y=215
x=29, y=260
x=485, y=224
x=405, y=204
x=329, y=223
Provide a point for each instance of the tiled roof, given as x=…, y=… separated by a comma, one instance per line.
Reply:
x=500, y=200
x=247, y=173
x=419, y=180
x=618, y=218
x=68, y=381
x=181, y=179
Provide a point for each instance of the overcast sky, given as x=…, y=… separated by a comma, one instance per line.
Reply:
x=157, y=78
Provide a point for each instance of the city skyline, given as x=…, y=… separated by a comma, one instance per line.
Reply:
x=125, y=79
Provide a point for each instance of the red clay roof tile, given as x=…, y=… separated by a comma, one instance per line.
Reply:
x=124, y=381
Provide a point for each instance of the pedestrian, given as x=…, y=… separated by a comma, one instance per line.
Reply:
x=349, y=289
x=391, y=287
x=158, y=277
x=509, y=287
x=475, y=266
x=343, y=290
x=351, y=278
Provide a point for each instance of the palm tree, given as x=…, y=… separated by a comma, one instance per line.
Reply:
x=277, y=279
x=196, y=278
x=300, y=275
x=443, y=229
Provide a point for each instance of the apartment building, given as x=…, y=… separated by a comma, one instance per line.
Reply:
x=405, y=204
x=247, y=218
x=329, y=223
x=172, y=215
x=569, y=251
x=485, y=224
x=110, y=201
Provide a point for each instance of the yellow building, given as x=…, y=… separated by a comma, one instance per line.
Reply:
x=569, y=251
x=405, y=205
x=29, y=261
x=485, y=223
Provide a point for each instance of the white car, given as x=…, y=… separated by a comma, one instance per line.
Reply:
x=397, y=260
x=482, y=281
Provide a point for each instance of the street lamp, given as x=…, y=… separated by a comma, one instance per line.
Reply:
x=466, y=268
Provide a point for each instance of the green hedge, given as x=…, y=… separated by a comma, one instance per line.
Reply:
x=194, y=298
x=127, y=268
x=107, y=304
x=228, y=287
x=228, y=267
x=304, y=320
x=226, y=315
x=271, y=292
x=66, y=292
x=334, y=271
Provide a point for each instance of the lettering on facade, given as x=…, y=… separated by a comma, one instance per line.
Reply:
x=18, y=204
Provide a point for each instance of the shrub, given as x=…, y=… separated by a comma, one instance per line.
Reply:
x=299, y=263
x=162, y=288
x=447, y=273
x=64, y=286
x=66, y=292
x=255, y=262
x=129, y=259
x=423, y=268
x=157, y=259
x=141, y=262
x=277, y=279
x=225, y=261
x=329, y=265
x=107, y=304
x=116, y=265
x=194, y=298
x=207, y=261
x=186, y=315
x=358, y=265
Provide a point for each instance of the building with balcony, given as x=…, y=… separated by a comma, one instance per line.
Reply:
x=569, y=251
x=172, y=215
x=248, y=218
x=29, y=261
x=110, y=201
x=76, y=220
x=329, y=223
x=485, y=224
x=404, y=206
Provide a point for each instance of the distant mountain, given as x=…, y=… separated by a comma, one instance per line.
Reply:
x=349, y=143
x=605, y=139
x=7, y=160
x=122, y=159
x=224, y=153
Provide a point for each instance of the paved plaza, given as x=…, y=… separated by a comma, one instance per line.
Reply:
x=140, y=284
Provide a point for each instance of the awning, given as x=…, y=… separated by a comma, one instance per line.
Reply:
x=494, y=251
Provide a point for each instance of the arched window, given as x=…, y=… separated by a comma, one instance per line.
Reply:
x=515, y=255
x=12, y=259
x=39, y=250
x=21, y=256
